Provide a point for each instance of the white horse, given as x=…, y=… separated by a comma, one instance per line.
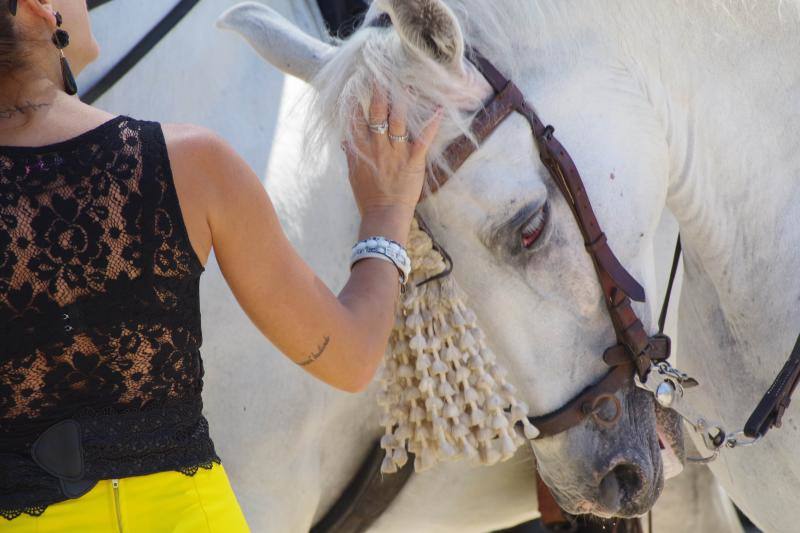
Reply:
x=643, y=96
x=553, y=339
x=283, y=448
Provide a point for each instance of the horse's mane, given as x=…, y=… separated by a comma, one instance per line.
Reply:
x=515, y=35
x=377, y=55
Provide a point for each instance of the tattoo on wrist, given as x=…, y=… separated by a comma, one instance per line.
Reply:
x=316, y=355
x=21, y=109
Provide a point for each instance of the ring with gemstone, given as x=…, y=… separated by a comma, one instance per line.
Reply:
x=381, y=128
x=400, y=138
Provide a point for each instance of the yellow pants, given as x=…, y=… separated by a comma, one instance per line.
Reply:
x=157, y=503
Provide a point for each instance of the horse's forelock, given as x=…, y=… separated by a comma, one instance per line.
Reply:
x=506, y=32
x=377, y=57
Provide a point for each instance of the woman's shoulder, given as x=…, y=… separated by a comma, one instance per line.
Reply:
x=209, y=173
x=194, y=160
x=197, y=148
x=203, y=154
x=204, y=165
x=192, y=140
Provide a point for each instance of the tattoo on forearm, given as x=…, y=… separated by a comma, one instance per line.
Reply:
x=21, y=109
x=316, y=355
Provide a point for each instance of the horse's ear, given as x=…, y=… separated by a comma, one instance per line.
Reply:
x=278, y=41
x=430, y=27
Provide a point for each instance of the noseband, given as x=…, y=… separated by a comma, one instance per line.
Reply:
x=635, y=350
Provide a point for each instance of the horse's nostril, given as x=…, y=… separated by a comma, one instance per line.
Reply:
x=629, y=478
x=621, y=486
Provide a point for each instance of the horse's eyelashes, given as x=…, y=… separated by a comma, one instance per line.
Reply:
x=534, y=228
x=521, y=232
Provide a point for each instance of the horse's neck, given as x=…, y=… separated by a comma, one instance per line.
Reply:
x=735, y=165
x=320, y=218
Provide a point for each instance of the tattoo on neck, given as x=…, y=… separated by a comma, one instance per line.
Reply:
x=316, y=355
x=21, y=109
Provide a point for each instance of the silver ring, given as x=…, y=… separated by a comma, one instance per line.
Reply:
x=400, y=138
x=381, y=128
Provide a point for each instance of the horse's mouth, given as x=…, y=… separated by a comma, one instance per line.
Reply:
x=627, y=477
x=669, y=459
x=670, y=441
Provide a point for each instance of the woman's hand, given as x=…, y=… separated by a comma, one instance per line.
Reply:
x=339, y=340
x=386, y=174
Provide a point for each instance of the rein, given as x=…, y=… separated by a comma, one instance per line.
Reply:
x=769, y=412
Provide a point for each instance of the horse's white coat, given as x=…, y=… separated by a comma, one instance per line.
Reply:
x=272, y=449
x=735, y=190
x=679, y=96
x=564, y=313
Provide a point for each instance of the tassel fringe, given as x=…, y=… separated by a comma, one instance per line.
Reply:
x=444, y=397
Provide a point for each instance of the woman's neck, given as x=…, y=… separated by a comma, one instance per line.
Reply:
x=30, y=89
x=23, y=106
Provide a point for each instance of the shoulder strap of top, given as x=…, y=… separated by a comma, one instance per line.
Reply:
x=151, y=165
x=159, y=185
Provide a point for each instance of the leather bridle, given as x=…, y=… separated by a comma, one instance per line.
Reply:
x=635, y=350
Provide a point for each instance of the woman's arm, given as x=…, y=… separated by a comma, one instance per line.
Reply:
x=339, y=340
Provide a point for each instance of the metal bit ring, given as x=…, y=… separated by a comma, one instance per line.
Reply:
x=700, y=460
x=595, y=409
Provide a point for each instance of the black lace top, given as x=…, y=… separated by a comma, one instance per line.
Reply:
x=99, y=313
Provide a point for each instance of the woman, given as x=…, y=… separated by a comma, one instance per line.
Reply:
x=105, y=225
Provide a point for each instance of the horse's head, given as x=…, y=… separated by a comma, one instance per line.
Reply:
x=518, y=252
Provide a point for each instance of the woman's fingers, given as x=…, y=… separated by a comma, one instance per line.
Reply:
x=397, y=123
x=378, y=109
x=420, y=147
x=386, y=167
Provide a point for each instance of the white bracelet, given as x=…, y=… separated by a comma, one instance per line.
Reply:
x=385, y=249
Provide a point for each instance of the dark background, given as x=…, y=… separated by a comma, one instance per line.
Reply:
x=342, y=16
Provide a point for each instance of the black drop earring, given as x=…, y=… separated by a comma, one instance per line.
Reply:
x=12, y=6
x=61, y=40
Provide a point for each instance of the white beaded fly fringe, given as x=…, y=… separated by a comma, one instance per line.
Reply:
x=444, y=396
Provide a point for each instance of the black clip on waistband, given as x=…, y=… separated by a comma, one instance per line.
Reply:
x=58, y=451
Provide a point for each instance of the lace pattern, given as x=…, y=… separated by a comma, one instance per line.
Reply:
x=99, y=307
x=23, y=489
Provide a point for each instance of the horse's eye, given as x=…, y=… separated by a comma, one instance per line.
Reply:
x=534, y=227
